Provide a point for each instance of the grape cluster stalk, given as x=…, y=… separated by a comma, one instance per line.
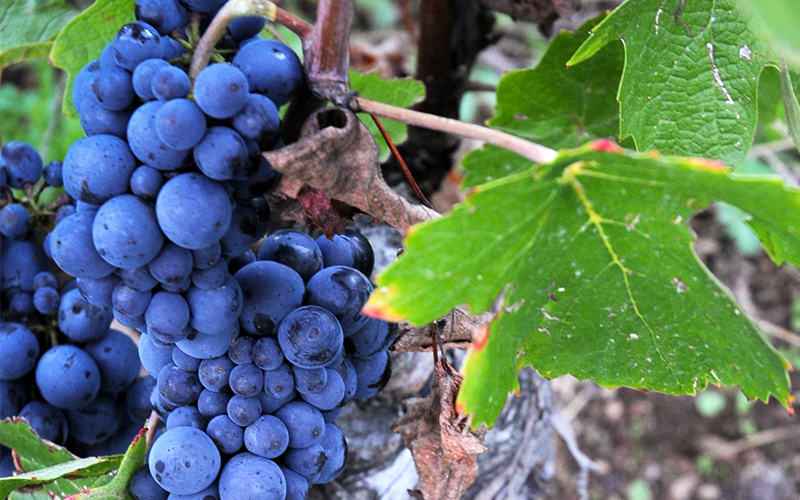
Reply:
x=249, y=344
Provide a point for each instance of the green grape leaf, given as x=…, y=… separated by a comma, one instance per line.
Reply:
x=34, y=453
x=791, y=105
x=552, y=105
x=401, y=92
x=25, y=24
x=491, y=163
x=778, y=20
x=25, y=52
x=593, y=260
x=118, y=488
x=691, y=75
x=84, y=37
x=47, y=466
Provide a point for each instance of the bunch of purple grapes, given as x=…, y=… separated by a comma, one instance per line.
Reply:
x=170, y=178
x=75, y=393
x=250, y=358
x=253, y=419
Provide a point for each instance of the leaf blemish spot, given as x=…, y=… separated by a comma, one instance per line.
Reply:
x=548, y=315
x=745, y=52
x=679, y=285
x=718, y=79
x=633, y=336
x=632, y=224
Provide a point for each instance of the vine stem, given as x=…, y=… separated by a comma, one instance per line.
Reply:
x=152, y=426
x=534, y=152
x=242, y=8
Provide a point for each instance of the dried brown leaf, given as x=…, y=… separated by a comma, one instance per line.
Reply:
x=444, y=448
x=337, y=155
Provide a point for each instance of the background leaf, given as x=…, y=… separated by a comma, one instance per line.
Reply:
x=691, y=75
x=791, y=105
x=25, y=52
x=28, y=22
x=778, y=20
x=600, y=280
x=33, y=115
x=83, y=38
x=402, y=92
x=50, y=468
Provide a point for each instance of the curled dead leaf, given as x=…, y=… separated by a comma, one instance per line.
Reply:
x=444, y=448
x=336, y=155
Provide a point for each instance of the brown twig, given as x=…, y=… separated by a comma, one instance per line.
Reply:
x=328, y=55
x=534, y=152
x=396, y=153
x=456, y=331
x=718, y=448
x=475, y=86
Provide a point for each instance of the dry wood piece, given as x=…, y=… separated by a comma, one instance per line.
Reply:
x=445, y=450
x=337, y=155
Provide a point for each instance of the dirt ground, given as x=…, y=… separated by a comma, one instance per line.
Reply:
x=715, y=446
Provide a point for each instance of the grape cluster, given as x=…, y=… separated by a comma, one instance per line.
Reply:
x=75, y=392
x=170, y=178
x=264, y=405
x=25, y=290
x=250, y=357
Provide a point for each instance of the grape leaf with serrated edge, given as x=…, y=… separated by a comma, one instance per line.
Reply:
x=599, y=278
x=44, y=462
x=691, y=75
x=400, y=92
x=119, y=487
x=552, y=105
x=84, y=37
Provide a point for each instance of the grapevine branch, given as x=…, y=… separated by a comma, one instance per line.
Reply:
x=534, y=152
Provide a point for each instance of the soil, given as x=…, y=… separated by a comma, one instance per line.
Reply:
x=655, y=446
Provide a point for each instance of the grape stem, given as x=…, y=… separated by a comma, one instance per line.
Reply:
x=534, y=152
x=152, y=426
x=243, y=8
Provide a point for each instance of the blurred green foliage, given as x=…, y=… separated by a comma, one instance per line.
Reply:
x=32, y=113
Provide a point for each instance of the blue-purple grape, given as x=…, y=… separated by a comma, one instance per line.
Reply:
x=227, y=436
x=67, y=377
x=221, y=90
x=117, y=358
x=184, y=460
